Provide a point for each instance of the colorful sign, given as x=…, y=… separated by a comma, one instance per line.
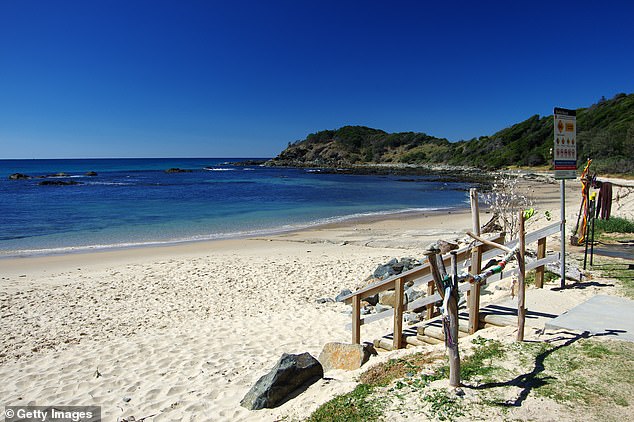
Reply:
x=565, y=147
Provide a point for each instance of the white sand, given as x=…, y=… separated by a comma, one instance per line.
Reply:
x=183, y=332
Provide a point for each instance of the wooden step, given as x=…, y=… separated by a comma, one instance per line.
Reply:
x=414, y=341
x=383, y=343
x=498, y=320
x=436, y=332
x=429, y=340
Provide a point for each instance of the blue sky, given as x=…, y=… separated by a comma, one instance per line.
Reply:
x=235, y=79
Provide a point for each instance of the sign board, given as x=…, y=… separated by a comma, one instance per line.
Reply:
x=565, y=148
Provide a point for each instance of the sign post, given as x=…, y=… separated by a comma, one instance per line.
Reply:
x=565, y=160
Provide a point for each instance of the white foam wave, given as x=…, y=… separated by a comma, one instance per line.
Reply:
x=218, y=169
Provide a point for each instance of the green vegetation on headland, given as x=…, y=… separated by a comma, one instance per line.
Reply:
x=605, y=133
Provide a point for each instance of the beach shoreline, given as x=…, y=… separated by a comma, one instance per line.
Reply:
x=211, y=238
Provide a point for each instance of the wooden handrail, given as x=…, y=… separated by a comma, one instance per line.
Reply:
x=422, y=274
x=414, y=273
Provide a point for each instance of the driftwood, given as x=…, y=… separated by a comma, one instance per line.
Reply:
x=448, y=291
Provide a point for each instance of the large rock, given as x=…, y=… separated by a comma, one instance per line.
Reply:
x=344, y=356
x=291, y=373
x=58, y=183
x=19, y=176
x=446, y=247
x=388, y=298
x=342, y=294
x=384, y=271
x=177, y=170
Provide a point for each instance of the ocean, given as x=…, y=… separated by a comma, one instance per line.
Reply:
x=134, y=202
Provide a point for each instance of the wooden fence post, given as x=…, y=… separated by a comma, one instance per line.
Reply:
x=356, y=319
x=539, y=271
x=476, y=266
x=521, y=311
x=399, y=289
x=430, y=308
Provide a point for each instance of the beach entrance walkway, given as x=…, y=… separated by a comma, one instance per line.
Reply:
x=608, y=315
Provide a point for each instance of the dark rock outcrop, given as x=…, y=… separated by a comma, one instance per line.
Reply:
x=291, y=373
x=177, y=170
x=19, y=176
x=342, y=294
x=91, y=173
x=58, y=183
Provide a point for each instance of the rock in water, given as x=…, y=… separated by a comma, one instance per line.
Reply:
x=58, y=183
x=344, y=356
x=19, y=176
x=289, y=374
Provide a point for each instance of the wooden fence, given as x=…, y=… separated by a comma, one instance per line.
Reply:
x=422, y=275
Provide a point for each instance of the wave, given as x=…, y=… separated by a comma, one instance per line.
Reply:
x=110, y=183
x=218, y=169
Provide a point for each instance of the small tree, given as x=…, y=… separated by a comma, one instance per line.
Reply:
x=506, y=199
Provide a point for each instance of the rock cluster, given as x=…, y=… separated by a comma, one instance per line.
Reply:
x=177, y=170
x=383, y=301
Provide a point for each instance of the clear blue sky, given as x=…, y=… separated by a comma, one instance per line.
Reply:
x=243, y=78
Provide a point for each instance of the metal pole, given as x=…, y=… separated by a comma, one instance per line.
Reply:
x=563, y=233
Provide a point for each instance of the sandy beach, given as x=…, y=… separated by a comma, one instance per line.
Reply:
x=182, y=332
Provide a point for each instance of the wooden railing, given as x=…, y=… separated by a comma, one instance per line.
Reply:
x=422, y=275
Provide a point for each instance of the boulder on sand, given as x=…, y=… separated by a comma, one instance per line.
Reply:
x=344, y=356
x=290, y=374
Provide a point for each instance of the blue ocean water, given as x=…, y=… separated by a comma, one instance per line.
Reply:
x=134, y=202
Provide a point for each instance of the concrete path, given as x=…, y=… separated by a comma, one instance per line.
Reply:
x=604, y=315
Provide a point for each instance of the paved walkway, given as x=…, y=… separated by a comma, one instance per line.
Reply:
x=604, y=315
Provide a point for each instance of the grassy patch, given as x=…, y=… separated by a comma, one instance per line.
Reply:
x=384, y=374
x=587, y=372
x=354, y=406
x=590, y=377
x=442, y=406
x=481, y=363
x=614, y=225
x=549, y=276
x=616, y=270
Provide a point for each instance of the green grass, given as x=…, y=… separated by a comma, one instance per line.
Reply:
x=481, y=364
x=592, y=378
x=549, y=276
x=443, y=406
x=616, y=270
x=351, y=407
x=589, y=372
x=613, y=225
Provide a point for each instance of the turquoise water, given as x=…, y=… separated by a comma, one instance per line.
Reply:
x=134, y=202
